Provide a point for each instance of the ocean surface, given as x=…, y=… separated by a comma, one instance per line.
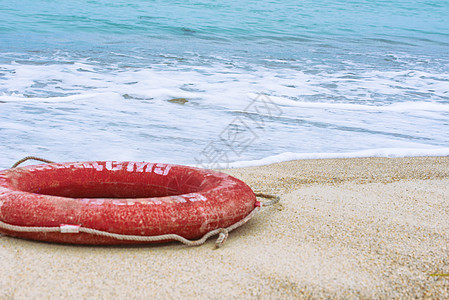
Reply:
x=223, y=83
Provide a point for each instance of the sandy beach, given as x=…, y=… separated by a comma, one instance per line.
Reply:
x=345, y=228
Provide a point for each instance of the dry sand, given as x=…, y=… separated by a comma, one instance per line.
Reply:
x=346, y=228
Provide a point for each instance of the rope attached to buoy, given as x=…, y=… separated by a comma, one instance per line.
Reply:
x=274, y=199
x=28, y=158
x=223, y=233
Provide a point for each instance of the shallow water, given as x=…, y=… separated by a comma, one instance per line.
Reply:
x=92, y=80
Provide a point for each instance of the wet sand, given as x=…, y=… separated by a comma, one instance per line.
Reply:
x=368, y=228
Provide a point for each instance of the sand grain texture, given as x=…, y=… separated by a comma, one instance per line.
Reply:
x=366, y=228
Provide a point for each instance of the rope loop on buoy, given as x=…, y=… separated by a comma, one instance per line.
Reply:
x=28, y=158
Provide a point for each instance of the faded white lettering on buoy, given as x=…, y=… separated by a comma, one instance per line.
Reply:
x=195, y=197
x=202, y=197
x=93, y=165
x=130, y=167
x=149, y=168
x=43, y=167
x=162, y=169
x=140, y=166
x=179, y=199
x=113, y=166
x=58, y=166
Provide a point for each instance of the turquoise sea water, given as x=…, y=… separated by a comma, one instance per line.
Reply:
x=83, y=80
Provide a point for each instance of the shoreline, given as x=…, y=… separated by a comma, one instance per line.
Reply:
x=358, y=227
x=369, y=153
x=339, y=170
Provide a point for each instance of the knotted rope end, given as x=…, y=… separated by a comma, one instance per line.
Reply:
x=222, y=237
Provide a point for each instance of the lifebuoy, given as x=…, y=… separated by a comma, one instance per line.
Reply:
x=126, y=198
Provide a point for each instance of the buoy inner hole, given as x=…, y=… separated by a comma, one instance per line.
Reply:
x=90, y=184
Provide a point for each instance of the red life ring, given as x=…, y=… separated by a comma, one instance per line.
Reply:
x=126, y=198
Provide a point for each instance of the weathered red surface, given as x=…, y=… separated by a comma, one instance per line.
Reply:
x=132, y=198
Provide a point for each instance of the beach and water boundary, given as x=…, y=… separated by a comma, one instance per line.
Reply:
x=359, y=227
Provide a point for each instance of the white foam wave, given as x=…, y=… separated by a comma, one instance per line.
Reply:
x=223, y=85
x=395, y=107
x=22, y=98
x=83, y=110
x=382, y=152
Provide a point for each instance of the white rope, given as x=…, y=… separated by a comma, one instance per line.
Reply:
x=223, y=232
